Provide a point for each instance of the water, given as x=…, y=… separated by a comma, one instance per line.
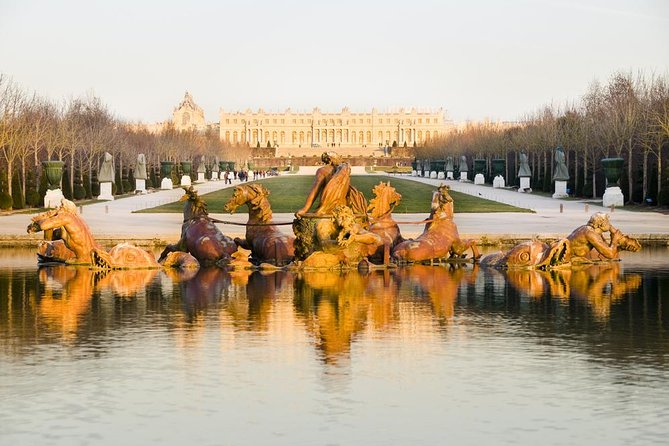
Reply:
x=421, y=355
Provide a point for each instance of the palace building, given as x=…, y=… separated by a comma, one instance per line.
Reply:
x=343, y=129
x=315, y=129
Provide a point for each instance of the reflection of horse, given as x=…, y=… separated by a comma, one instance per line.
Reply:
x=199, y=235
x=382, y=223
x=266, y=242
x=440, y=237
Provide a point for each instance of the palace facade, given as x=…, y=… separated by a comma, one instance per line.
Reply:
x=343, y=129
x=315, y=129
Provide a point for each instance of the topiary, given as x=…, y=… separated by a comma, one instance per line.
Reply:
x=67, y=190
x=126, y=186
x=79, y=192
x=5, y=201
x=18, y=200
x=33, y=198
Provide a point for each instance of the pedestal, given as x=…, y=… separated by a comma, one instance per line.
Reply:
x=414, y=173
x=433, y=174
x=426, y=174
x=613, y=196
x=214, y=176
x=463, y=176
x=440, y=176
x=200, y=177
x=449, y=174
x=140, y=186
x=524, y=185
x=106, y=191
x=53, y=198
x=479, y=179
x=185, y=180
x=498, y=182
x=166, y=183
x=560, y=189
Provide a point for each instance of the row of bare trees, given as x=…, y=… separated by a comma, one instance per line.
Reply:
x=78, y=131
x=627, y=117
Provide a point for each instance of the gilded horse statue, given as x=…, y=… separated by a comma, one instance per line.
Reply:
x=440, y=237
x=380, y=209
x=266, y=241
x=199, y=235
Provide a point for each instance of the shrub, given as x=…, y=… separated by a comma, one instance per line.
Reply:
x=79, y=192
x=5, y=201
x=33, y=198
x=18, y=201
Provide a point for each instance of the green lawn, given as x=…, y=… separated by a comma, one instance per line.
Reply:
x=287, y=194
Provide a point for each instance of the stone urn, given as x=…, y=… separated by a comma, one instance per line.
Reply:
x=613, y=169
x=166, y=169
x=54, y=172
x=479, y=167
x=231, y=165
x=498, y=167
x=186, y=167
x=223, y=165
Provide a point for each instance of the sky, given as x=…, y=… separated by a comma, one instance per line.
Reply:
x=478, y=59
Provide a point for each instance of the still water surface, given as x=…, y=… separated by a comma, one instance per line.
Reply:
x=420, y=355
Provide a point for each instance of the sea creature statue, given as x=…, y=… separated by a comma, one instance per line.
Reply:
x=440, y=238
x=77, y=245
x=266, y=241
x=586, y=244
x=533, y=254
x=381, y=221
x=123, y=256
x=199, y=235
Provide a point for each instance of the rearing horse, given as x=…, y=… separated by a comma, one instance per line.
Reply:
x=380, y=209
x=199, y=235
x=266, y=242
x=440, y=237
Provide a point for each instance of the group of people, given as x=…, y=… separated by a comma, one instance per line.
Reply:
x=243, y=175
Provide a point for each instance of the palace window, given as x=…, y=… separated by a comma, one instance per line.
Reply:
x=420, y=120
x=369, y=121
x=234, y=121
x=294, y=122
x=274, y=121
x=227, y=121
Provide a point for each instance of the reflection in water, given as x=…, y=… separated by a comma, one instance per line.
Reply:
x=334, y=307
x=212, y=342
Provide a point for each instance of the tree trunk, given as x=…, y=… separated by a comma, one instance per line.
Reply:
x=659, y=172
x=577, y=191
x=630, y=183
x=23, y=177
x=71, y=179
x=594, y=181
x=10, y=174
x=645, y=175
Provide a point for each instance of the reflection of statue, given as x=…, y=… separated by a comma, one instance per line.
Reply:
x=588, y=244
x=524, y=167
x=449, y=164
x=560, y=172
x=266, y=242
x=140, y=167
x=199, y=235
x=463, y=164
x=440, y=237
x=106, y=172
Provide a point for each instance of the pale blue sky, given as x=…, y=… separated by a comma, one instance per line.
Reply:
x=476, y=58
